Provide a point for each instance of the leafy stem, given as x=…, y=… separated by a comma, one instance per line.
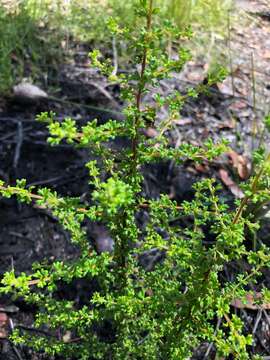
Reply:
x=141, y=85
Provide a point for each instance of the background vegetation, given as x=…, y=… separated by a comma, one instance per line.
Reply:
x=35, y=33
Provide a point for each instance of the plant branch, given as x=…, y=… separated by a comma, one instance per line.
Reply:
x=141, y=85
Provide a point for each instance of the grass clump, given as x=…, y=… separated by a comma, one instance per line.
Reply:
x=167, y=312
x=28, y=47
x=33, y=30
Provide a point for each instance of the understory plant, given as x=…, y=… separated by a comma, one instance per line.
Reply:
x=37, y=33
x=168, y=311
x=27, y=45
x=208, y=19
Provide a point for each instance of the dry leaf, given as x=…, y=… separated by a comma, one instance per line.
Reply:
x=3, y=325
x=202, y=168
x=224, y=88
x=227, y=125
x=240, y=163
x=3, y=333
x=182, y=121
x=228, y=181
x=250, y=302
x=238, y=105
x=150, y=132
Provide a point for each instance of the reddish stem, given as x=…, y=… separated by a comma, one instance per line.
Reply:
x=140, y=88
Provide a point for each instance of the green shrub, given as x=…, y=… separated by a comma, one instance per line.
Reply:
x=167, y=312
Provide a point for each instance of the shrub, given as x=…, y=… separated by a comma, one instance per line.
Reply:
x=168, y=311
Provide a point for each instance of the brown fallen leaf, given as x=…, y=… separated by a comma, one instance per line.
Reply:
x=202, y=168
x=240, y=163
x=3, y=325
x=228, y=181
x=249, y=302
x=238, y=105
x=224, y=88
x=150, y=132
x=227, y=125
x=182, y=121
x=225, y=177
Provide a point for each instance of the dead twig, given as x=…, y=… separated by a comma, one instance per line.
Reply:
x=16, y=351
x=12, y=133
x=266, y=316
x=19, y=142
x=248, y=322
x=257, y=321
x=32, y=329
x=210, y=346
x=106, y=94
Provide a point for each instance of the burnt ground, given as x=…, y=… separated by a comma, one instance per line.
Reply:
x=232, y=110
